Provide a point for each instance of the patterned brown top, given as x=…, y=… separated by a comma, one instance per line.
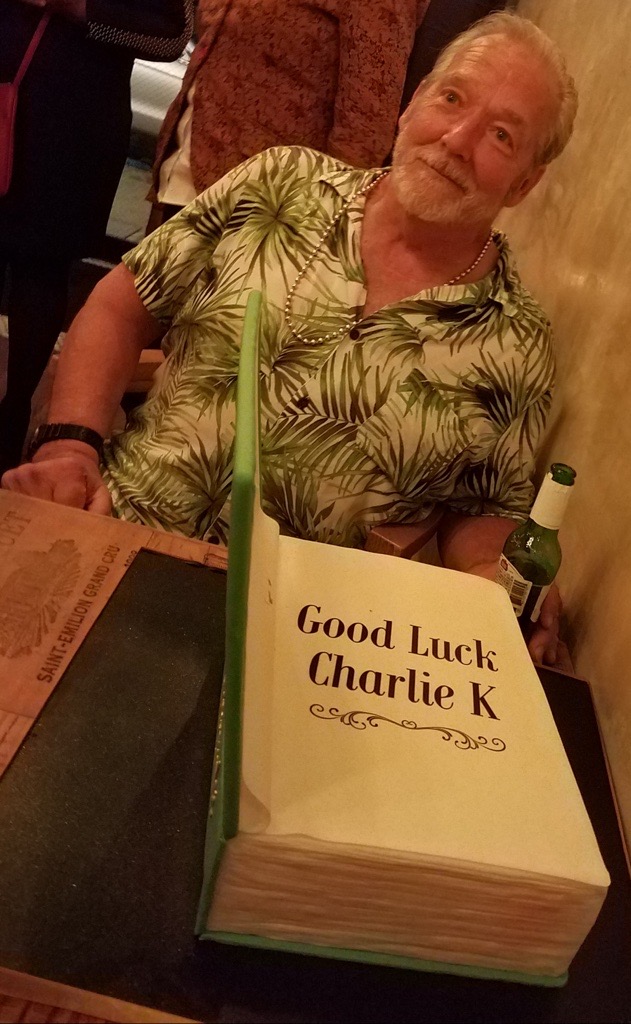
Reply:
x=327, y=74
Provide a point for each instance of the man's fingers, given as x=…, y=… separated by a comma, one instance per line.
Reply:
x=69, y=480
x=551, y=610
x=544, y=641
x=543, y=647
x=100, y=502
x=70, y=491
x=23, y=480
x=29, y=479
x=550, y=653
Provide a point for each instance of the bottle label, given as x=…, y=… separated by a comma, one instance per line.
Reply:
x=514, y=584
x=525, y=596
x=550, y=504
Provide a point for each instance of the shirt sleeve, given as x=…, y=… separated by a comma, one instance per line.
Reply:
x=502, y=483
x=168, y=261
x=153, y=29
x=375, y=44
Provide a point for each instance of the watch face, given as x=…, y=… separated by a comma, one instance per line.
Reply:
x=39, y=437
x=46, y=432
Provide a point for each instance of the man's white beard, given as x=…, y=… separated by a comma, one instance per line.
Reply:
x=424, y=194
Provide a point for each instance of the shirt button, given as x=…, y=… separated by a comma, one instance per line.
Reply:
x=354, y=334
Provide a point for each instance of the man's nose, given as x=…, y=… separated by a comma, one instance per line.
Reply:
x=462, y=137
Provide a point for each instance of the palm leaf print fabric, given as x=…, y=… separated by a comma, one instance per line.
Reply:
x=439, y=398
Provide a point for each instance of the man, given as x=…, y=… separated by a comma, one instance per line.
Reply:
x=402, y=361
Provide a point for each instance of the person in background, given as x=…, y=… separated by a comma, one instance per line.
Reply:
x=71, y=140
x=328, y=74
x=444, y=20
x=403, y=362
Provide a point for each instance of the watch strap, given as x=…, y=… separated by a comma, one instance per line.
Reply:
x=65, y=432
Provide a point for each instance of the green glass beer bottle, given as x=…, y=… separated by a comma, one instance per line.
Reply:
x=531, y=555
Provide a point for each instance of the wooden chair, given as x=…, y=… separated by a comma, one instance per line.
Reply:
x=151, y=359
x=404, y=541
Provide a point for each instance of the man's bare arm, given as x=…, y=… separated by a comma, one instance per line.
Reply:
x=101, y=353
x=97, y=362
x=474, y=544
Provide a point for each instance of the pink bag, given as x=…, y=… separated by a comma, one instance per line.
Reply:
x=8, y=105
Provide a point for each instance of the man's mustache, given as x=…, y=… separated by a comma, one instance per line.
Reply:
x=447, y=170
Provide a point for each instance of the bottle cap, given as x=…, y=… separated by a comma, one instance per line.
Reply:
x=563, y=474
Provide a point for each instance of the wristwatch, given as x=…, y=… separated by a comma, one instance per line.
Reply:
x=65, y=432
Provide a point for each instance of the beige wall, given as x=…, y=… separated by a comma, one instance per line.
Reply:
x=573, y=240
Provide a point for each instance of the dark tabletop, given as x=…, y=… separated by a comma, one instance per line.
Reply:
x=102, y=820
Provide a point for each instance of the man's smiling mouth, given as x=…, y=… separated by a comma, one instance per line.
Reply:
x=443, y=174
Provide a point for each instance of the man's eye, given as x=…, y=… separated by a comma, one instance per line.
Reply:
x=502, y=135
x=451, y=97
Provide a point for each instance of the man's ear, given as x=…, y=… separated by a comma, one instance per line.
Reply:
x=406, y=115
x=403, y=120
x=521, y=190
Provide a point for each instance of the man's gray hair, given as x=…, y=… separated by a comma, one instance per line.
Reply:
x=517, y=29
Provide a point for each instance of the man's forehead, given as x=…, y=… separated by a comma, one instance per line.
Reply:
x=515, y=79
x=508, y=59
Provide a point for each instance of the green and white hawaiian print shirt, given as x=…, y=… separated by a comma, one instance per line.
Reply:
x=439, y=398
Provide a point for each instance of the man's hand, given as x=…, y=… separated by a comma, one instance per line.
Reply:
x=545, y=636
x=473, y=544
x=64, y=472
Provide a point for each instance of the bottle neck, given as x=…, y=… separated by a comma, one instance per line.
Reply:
x=550, y=504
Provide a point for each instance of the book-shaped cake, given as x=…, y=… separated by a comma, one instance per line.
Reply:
x=389, y=783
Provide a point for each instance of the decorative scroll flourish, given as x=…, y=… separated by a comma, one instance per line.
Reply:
x=363, y=719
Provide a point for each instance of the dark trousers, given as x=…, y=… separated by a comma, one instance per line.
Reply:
x=37, y=295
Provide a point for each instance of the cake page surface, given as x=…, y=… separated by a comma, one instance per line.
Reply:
x=404, y=712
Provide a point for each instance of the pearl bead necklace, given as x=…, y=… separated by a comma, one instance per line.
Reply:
x=347, y=328
x=472, y=266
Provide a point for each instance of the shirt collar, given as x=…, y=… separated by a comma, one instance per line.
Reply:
x=347, y=180
x=501, y=285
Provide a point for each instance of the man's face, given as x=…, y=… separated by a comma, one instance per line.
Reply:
x=467, y=143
